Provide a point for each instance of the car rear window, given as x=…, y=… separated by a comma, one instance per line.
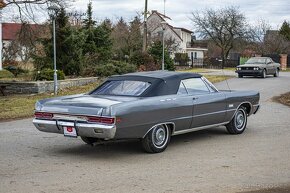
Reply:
x=122, y=87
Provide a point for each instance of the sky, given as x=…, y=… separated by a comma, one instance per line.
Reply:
x=274, y=12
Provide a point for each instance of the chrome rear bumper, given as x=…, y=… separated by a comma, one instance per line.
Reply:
x=83, y=129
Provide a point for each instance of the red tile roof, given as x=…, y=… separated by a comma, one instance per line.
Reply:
x=10, y=31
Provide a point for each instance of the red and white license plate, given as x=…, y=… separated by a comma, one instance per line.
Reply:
x=69, y=131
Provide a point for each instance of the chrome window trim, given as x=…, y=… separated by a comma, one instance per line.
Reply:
x=209, y=84
x=204, y=93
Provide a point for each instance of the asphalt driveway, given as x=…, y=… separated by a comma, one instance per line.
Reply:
x=203, y=161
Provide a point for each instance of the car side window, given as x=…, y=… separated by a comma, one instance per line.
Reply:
x=195, y=86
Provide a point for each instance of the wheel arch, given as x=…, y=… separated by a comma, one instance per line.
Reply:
x=169, y=125
x=248, y=106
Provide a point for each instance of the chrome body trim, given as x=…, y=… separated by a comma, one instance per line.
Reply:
x=205, y=114
x=94, y=130
x=198, y=128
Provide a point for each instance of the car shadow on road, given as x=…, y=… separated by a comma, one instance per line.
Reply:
x=125, y=148
x=200, y=135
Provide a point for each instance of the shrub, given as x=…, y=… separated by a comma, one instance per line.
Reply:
x=114, y=67
x=181, y=58
x=47, y=74
x=16, y=70
x=144, y=61
x=6, y=74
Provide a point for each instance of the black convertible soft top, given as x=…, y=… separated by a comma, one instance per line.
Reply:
x=162, y=82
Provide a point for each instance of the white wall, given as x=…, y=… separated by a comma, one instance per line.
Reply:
x=198, y=53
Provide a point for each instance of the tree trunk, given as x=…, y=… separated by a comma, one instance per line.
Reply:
x=223, y=58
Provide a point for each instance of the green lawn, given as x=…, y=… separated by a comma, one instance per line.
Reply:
x=22, y=106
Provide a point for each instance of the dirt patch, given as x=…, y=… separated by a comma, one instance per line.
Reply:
x=283, y=189
x=284, y=99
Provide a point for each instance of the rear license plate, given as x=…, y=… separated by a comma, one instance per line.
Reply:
x=70, y=131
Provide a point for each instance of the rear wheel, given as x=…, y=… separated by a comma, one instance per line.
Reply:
x=89, y=140
x=238, y=123
x=157, y=139
x=276, y=74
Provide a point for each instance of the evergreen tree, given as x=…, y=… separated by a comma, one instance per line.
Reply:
x=89, y=27
x=98, y=45
x=156, y=51
x=103, y=42
x=120, y=38
x=89, y=23
x=69, y=43
x=135, y=37
x=285, y=30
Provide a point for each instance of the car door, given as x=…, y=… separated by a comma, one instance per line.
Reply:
x=270, y=66
x=209, y=107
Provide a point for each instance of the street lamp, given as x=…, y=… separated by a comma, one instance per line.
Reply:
x=163, y=24
x=52, y=11
x=2, y=5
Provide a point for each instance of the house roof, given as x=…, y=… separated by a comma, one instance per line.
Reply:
x=160, y=14
x=183, y=29
x=162, y=18
x=10, y=31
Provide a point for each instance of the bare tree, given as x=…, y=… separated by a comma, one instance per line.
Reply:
x=27, y=8
x=257, y=36
x=223, y=26
x=24, y=45
x=264, y=40
x=275, y=43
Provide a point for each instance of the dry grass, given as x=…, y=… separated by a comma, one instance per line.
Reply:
x=215, y=79
x=284, y=99
x=22, y=106
x=196, y=70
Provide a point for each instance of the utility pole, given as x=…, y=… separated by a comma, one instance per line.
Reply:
x=144, y=49
x=52, y=11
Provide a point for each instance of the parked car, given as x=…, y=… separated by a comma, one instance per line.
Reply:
x=258, y=66
x=150, y=106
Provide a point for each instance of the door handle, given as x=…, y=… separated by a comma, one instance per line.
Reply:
x=194, y=98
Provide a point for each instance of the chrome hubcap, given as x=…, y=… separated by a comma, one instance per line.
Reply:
x=159, y=136
x=240, y=120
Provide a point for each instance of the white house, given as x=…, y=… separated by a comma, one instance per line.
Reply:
x=181, y=37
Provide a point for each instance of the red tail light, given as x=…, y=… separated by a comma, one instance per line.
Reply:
x=42, y=115
x=105, y=120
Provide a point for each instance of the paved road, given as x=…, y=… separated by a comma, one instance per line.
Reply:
x=204, y=161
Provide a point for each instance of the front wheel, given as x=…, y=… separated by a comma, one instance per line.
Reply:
x=264, y=74
x=157, y=139
x=276, y=73
x=238, y=123
x=240, y=76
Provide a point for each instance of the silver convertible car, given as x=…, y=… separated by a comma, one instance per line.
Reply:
x=259, y=66
x=150, y=106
